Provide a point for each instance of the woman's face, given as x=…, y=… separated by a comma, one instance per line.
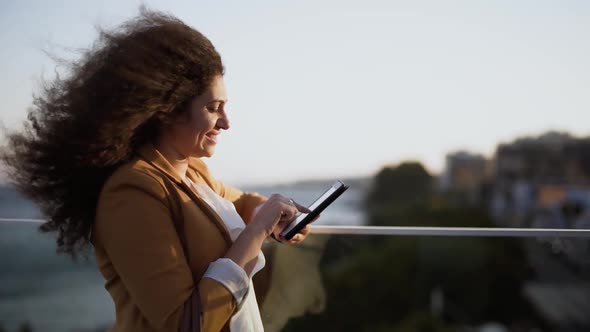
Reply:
x=195, y=134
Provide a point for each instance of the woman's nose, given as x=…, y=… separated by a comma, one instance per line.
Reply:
x=223, y=122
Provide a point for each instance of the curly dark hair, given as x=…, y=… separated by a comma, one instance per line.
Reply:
x=113, y=100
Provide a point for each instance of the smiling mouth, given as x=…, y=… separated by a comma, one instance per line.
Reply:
x=211, y=137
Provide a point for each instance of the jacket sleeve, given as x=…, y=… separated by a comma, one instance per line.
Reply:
x=135, y=228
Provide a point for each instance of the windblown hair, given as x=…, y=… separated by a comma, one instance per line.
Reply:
x=113, y=100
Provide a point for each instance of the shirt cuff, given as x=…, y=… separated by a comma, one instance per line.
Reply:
x=230, y=275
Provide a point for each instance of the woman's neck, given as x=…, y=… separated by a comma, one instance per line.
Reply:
x=178, y=161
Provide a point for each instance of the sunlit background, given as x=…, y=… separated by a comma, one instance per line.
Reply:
x=326, y=89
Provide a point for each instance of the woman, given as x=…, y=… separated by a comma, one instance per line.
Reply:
x=112, y=154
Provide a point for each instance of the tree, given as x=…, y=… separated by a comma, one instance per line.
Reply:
x=405, y=184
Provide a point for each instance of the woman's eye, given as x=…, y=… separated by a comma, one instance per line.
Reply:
x=214, y=107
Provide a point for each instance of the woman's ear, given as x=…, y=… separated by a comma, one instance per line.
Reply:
x=168, y=116
x=177, y=114
x=164, y=118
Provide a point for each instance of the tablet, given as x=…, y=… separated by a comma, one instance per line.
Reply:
x=316, y=208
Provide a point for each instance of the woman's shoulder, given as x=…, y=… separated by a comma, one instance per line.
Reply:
x=136, y=173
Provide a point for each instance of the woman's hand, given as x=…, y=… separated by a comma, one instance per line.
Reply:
x=280, y=211
x=303, y=233
x=274, y=214
x=297, y=237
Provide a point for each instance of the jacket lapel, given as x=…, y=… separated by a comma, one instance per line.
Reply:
x=149, y=153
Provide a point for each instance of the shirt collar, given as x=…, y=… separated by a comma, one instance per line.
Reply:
x=156, y=159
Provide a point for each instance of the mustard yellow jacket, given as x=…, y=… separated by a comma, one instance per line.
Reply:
x=140, y=255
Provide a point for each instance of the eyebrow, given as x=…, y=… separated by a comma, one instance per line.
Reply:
x=218, y=100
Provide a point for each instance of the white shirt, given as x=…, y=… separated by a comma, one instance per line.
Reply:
x=227, y=272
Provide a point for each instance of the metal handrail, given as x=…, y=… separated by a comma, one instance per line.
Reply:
x=450, y=231
x=422, y=231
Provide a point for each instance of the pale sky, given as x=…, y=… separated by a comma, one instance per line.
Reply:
x=325, y=89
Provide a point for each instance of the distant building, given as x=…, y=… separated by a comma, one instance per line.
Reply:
x=569, y=203
x=536, y=171
x=465, y=173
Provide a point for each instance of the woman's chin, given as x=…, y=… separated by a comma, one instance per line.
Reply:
x=203, y=153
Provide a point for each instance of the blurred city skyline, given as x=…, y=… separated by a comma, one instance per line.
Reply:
x=337, y=89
